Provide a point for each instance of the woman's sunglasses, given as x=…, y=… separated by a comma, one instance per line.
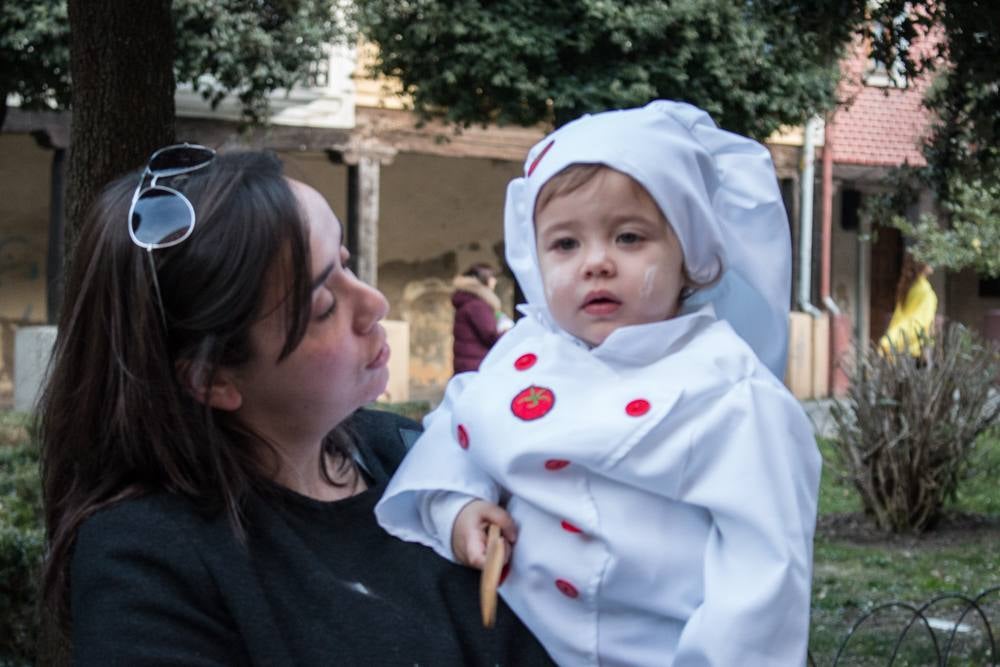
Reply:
x=161, y=217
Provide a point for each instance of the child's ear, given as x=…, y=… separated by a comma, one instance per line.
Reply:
x=215, y=390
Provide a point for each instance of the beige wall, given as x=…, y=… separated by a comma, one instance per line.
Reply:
x=24, y=227
x=964, y=303
x=843, y=264
x=317, y=170
x=438, y=215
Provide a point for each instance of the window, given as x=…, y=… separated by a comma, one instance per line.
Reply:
x=850, y=206
x=878, y=74
x=989, y=287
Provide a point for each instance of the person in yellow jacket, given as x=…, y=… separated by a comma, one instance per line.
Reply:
x=916, y=305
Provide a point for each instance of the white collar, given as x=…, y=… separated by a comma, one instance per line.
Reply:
x=636, y=344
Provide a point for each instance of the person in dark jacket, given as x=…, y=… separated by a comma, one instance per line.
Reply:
x=208, y=475
x=477, y=313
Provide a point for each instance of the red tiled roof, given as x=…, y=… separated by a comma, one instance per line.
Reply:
x=876, y=125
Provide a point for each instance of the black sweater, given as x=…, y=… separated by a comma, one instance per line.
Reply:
x=156, y=582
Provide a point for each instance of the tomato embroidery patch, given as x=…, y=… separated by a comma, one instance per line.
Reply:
x=463, y=437
x=532, y=403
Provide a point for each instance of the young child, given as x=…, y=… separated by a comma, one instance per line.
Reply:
x=660, y=481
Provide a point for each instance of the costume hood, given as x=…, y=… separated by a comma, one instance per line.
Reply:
x=717, y=189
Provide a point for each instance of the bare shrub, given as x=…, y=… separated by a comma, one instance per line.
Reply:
x=907, y=427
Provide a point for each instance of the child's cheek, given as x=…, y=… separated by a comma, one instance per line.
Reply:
x=558, y=280
x=648, y=282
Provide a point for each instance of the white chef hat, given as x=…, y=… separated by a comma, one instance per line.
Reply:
x=717, y=189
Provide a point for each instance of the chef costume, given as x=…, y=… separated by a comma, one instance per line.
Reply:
x=664, y=482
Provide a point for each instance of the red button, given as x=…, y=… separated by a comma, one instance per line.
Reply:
x=503, y=573
x=556, y=464
x=463, y=437
x=566, y=588
x=525, y=361
x=637, y=408
x=570, y=527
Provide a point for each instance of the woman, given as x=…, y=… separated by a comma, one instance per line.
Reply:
x=916, y=305
x=206, y=502
x=477, y=311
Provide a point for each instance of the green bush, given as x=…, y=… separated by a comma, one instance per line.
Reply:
x=907, y=428
x=21, y=542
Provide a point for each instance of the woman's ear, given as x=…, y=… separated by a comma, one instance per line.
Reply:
x=216, y=390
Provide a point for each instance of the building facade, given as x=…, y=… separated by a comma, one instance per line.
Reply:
x=422, y=202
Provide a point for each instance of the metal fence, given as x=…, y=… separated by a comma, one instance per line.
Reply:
x=946, y=630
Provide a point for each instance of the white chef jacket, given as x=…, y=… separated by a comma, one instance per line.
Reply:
x=665, y=498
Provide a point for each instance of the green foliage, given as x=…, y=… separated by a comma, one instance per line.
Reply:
x=21, y=542
x=908, y=426
x=34, y=52
x=251, y=47
x=971, y=240
x=963, y=146
x=245, y=47
x=835, y=496
x=964, y=233
x=754, y=66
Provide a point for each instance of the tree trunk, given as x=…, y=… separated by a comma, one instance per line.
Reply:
x=121, y=64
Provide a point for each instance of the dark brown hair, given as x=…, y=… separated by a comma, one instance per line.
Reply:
x=577, y=175
x=481, y=272
x=114, y=420
x=908, y=273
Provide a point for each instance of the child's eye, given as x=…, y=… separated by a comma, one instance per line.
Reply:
x=564, y=244
x=628, y=238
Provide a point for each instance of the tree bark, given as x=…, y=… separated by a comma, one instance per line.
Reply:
x=121, y=64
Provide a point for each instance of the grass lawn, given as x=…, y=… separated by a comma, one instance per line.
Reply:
x=857, y=569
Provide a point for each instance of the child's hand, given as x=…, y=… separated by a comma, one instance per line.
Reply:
x=468, y=535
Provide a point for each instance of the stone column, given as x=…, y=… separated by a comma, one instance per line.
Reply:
x=364, y=199
x=55, y=139
x=364, y=160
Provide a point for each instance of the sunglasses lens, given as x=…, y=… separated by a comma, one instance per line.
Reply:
x=161, y=216
x=180, y=159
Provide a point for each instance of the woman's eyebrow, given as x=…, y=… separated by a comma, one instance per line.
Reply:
x=323, y=275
